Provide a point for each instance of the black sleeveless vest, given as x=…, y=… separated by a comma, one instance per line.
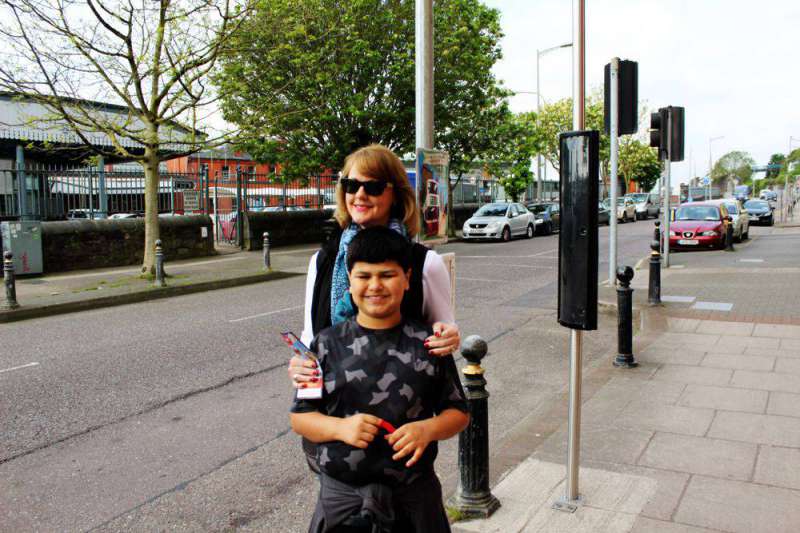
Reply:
x=321, y=301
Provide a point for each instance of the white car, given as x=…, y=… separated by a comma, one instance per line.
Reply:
x=626, y=209
x=500, y=221
x=647, y=205
x=741, y=218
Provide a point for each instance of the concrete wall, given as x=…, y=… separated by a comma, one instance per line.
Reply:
x=286, y=227
x=83, y=244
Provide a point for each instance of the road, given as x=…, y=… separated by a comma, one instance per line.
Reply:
x=173, y=413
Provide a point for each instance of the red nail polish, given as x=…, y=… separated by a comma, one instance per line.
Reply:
x=438, y=334
x=314, y=379
x=304, y=385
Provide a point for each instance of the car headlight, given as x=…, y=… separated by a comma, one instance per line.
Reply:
x=674, y=234
x=539, y=221
x=709, y=234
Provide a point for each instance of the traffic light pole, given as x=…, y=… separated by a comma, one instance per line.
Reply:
x=667, y=188
x=614, y=130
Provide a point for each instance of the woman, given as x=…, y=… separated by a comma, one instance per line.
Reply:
x=375, y=191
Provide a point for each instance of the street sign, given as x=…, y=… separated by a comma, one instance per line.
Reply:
x=706, y=181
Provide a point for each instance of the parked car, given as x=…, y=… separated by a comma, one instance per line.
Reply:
x=626, y=209
x=699, y=225
x=548, y=218
x=500, y=221
x=83, y=214
x=741, y=192
x=759, y=212
x=125, y=215
x=647, y=205
x=740, y=222
x=770, y=196
x=603, y=214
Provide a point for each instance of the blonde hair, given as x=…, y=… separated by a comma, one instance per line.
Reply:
x=380, y=163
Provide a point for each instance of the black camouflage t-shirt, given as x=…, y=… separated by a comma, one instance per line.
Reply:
x=388, y=374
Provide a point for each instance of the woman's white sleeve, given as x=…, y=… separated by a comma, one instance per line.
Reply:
x=436, y=290
x=308, y=329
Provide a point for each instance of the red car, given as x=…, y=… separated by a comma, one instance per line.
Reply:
x=699, y=225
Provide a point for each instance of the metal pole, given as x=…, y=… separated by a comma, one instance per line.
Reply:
x=22, y=185
x=101, y=185
x=424, y=74
x=539, y=178
x=575, y=337
x=625, y=357
x=667, y=188
x=159, y=281
x=654, y=286
x=614, y=127
x=267, y=262
x=10, y=282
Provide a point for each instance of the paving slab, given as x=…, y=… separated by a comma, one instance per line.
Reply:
x=746, y=342
x=772, y=352
x=788, y=365
x=694, y=374
x=669, y=418
x=671, y=355
x=771, y=381
x=648, y=525
x=699, y=455
x=739, y=362
x=784, y=403
x=682, y=325
x=786, y=331
x=760, y=429
x=778, y=466
x=790, y=344
x=739, y=507
x=725, y=398
x=601, y=443
x=611, y=501
x=718, y=327
x=692, y=340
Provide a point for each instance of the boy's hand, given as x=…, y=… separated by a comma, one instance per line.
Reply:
x=358, y=430
x=412, y=437
x=445, y=339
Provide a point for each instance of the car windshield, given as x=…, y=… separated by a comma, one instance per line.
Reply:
x=697, y=212
x=732, y=209
x=492, y=210
x=621, y=201
x=756, y=204
x=537, y=208
x=638, y=198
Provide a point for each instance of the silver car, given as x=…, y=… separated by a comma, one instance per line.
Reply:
x=500, y=221
x=741, y=219
x=647, y=205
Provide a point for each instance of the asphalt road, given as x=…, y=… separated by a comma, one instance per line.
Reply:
x=172, y=413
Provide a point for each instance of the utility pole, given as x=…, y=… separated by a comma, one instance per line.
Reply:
x=424, y=74
x=540, y=160
x=614, y=130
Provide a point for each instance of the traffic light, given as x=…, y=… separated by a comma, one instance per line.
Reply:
x=628, y=97
x=658, y=131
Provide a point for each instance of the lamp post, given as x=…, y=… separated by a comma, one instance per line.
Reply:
x=540, y=161
x=708, y=187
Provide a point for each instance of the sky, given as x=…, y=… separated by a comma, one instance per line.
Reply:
x=731, y=64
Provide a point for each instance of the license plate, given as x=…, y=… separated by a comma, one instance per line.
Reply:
x=754, y=218
x=476, y=233
x=687, y=241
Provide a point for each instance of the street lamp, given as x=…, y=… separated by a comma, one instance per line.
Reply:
x=539, y=54
x=708, y=187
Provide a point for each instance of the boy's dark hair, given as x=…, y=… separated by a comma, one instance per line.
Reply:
x=379, y=244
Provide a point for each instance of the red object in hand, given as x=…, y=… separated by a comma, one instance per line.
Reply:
x=387, y=426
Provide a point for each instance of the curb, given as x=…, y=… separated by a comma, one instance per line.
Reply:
x=39, y=311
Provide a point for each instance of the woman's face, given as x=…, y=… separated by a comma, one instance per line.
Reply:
x=366, y=210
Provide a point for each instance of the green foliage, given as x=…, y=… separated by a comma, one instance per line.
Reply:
x=517, y=144
x=737, y=165
x=638, y=161
x=310, y=81
x=776, y=159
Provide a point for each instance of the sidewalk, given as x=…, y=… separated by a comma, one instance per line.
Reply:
x=90, y=289
x=705, y=434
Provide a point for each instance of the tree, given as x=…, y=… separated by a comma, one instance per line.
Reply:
x=512, y=159
x=776, y=159
x=737, y=165
x=638, y=161
x=310, y=81
x=153, y=58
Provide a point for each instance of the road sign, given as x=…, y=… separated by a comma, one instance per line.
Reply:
x=706, y=181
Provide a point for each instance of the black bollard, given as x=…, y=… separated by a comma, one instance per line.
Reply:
x=160, y=282
x=267, y=263
x=625, y=319
x=729, y=237
x=474, y=499
x=657, y=237
x=654, y=288
x=10, y=282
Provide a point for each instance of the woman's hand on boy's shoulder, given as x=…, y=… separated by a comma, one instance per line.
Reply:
x=445, y=340
x=411, y=438
x=358, y=430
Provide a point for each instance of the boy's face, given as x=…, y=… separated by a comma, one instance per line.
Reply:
x=377, y=289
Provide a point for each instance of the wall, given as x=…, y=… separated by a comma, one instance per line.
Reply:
x=289, y=227
x=462, y=213
x=84, y=244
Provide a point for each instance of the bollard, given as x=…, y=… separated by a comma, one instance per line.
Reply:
x=654, y=288
x=625, y=319
x=160, y=282
x=267, y=263
x=473, y=498
x=10, y=282
x=729, y=238
x=657, y=236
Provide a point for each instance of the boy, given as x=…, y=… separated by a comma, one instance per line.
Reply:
x=376, y=370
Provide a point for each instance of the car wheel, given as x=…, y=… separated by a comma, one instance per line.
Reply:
x=529, y=233
x=738, y=238
x=506, y=235
x=771, y=221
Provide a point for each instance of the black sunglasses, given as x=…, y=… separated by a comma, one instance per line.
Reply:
x=372, y=188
